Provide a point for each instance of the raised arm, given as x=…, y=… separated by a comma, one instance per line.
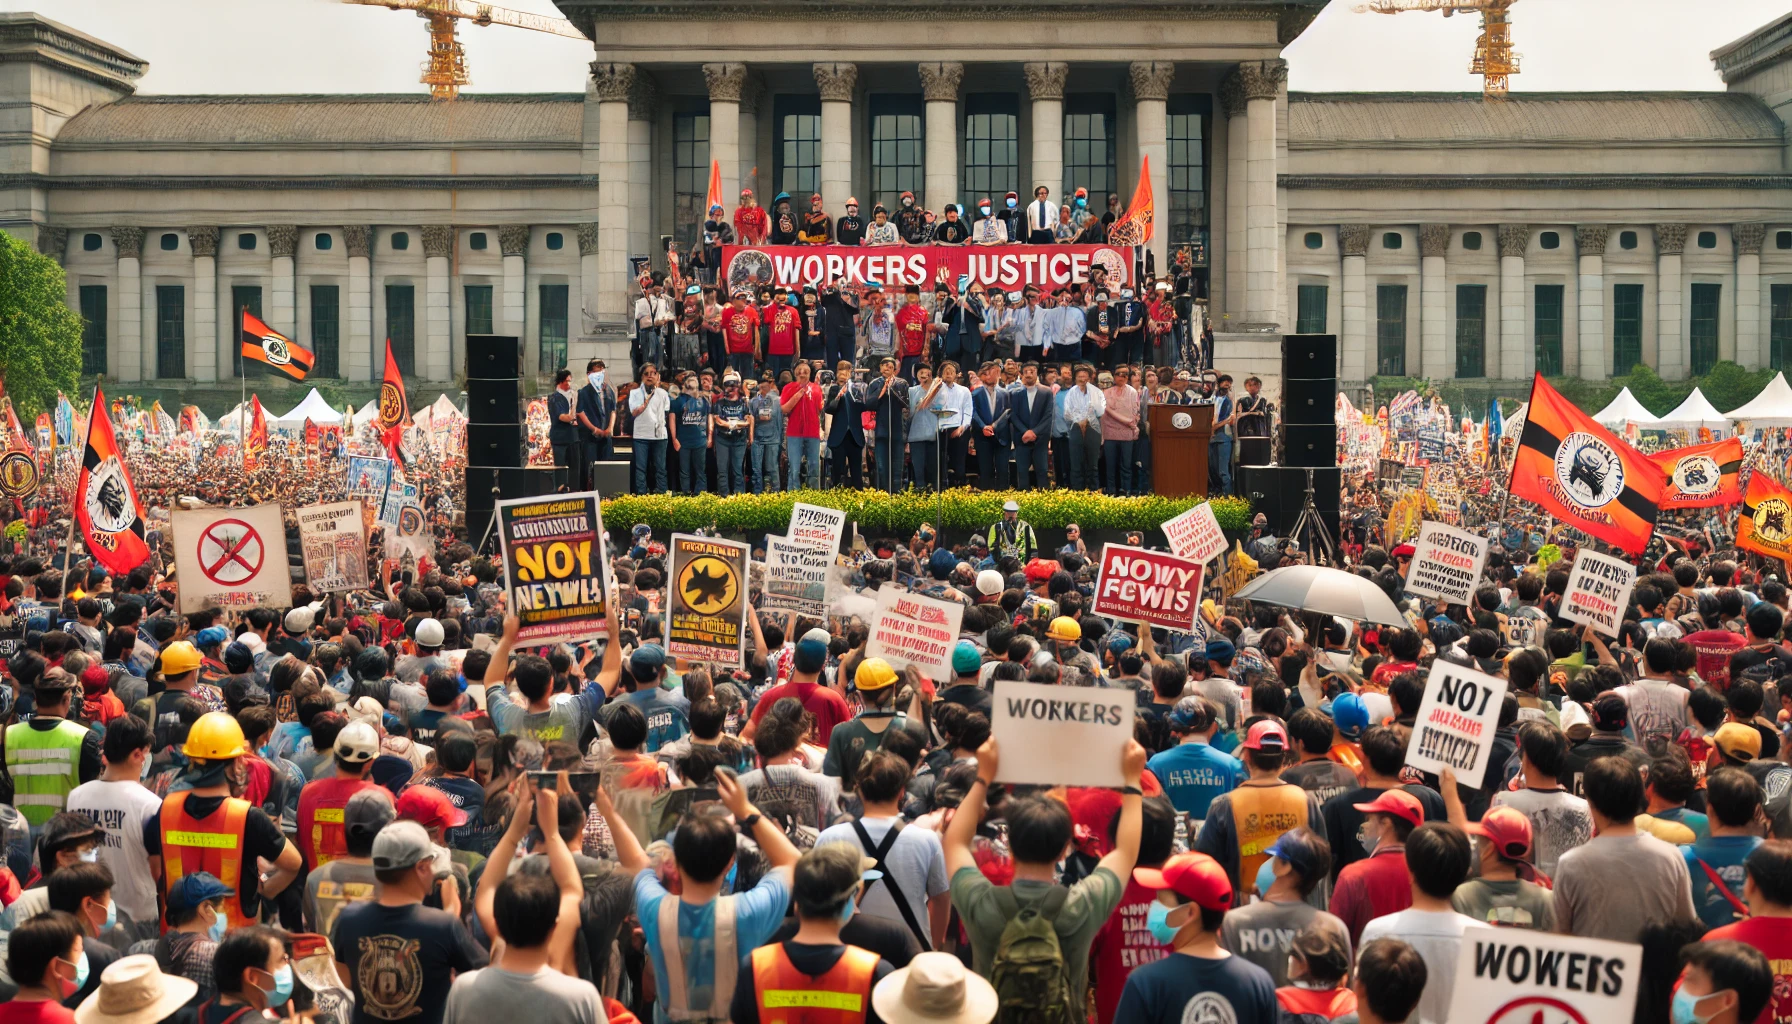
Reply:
x=766, y=833
x=628, y=849
x=963, y=829
x=565, y=874
x=497, y=867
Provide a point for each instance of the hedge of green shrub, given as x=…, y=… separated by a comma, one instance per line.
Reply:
x=957, y=509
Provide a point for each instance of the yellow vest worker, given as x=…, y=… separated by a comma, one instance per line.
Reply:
x=48, y=755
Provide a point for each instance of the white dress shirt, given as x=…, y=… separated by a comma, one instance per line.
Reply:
x=954, y=406
x=1042, y=215
x=650, y=413
x=1084, y=404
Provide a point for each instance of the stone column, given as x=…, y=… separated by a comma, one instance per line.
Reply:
x=837, y=82
x=752, y=98
x=725, y=81
x=513, y=242
x=1518, y=360
x=611, y=83
x=590, y=279
x=204, y=364
x=127, y=357
x=1151, y=92
x=1356, y=356
x=283, y=243
x=643, y=101
x=1595, y=361
x=1237, y=255
x=438, y=357
x=1045, y=84
x=1434, y=335
x=1671, y=351
x=939, y=86
x=1748, y=294
x=1262, y=82
x=359, y=358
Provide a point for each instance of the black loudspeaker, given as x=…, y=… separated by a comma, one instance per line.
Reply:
x=1309, y=356
x=510, y=481
x=1256, y=451
x=613, y=477
x=1307, y=445
x=1280, y=491
x=494, y=400
x=494, y=356
x=1309, y=400
x=494, y=444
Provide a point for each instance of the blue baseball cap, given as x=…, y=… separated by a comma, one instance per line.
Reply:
x=211, y=636
x=189, y=891
x=646, y=662
x=811, y=655
x=966, y=658
x=1120, y=642
x=1350, y=714
x=1221, y=651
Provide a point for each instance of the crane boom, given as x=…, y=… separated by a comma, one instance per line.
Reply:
x=1494, y=59
x=446, y=69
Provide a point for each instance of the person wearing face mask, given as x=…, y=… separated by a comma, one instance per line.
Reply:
x=733, y=422
x=196, y=924
x=1377, y=885
x=816, y=228
x=911, y=221
x=1013, y=220
x=951, y=230
x=1080, y=213
x=67, y=839
x=850, y=229
x=85, y=891
x=596, y=410
x=120, y=803
x=254, y=974
x=1193, y=895
x=1724, y=982
x=989, y=230
x=1298, y=863
x=47, y=958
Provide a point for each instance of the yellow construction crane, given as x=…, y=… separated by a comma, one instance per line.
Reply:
x=1494, y=60
x=446, y=69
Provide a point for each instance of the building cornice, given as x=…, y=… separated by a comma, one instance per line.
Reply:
x=170, y=182
x=1291, y=16
x=1566, y=182
x=1763, y=46
x=30, y=38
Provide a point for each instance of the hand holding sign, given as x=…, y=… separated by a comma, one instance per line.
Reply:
x=1456, y=722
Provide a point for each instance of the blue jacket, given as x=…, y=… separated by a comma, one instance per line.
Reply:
x=596, y=407
x=560, y=432
x=987, y=406
x=1035, y=416
x=848, y=419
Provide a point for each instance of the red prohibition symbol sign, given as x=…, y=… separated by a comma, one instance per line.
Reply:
x=230, y=552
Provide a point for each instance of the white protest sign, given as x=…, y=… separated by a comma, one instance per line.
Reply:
x=1520, y=976
x=1195, y=534
x=910, y=629
x=334, y=539
x=1446, y=563
x=1456, y=722
x=1060, y=735
x=816, y=527
x=796, y=577
x=231, y=558
x=1598, y=591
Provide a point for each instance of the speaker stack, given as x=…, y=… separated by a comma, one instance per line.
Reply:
x=1309, y=438
x=496, y=435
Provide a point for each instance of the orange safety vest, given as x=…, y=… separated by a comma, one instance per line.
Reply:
x=322, y=835
x=1349, y=755
x=788, y=996
x=213, y=844
x=1261, y=814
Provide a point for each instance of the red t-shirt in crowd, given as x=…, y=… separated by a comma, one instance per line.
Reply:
x=39, y=1012
x=828, y=707
x=804, y=418
x=1326, y=1004
x=1370, y=888
x=1773, y=937
x=785, y=321
x=740, y=328
x=1122, y=944
x=911, y=327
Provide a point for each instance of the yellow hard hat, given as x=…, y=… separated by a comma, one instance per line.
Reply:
x=215, y=737
x=874, y=674
x=1064, y=628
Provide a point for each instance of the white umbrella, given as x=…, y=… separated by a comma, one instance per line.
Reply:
x=1317, y=588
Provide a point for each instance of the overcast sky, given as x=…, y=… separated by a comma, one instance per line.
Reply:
x=299, y=46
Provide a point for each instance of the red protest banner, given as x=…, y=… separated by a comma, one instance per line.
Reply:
x=1150, y=588
x=1008, y=267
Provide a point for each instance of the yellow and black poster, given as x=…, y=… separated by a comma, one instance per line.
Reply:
x=555, y=565
x=706, y=612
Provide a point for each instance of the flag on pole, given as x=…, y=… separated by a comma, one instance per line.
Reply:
x=715, y=187
x=256, y=440
x=1582, y=474
x=395, y=408
x=107, y=512
x=274, y=350
x=1764, y=524
x=65, y=419
x=1134, y=226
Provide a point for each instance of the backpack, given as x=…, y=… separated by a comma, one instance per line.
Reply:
x=1031, y=980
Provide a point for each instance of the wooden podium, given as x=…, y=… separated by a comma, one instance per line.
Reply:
x=1179, y=436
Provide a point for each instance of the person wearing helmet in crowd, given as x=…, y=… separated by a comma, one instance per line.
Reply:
x=1350, y=716
x=1013, y=536
x=180, y=680
x=428, y=639
x=850, y=741
x=1076, y=667
x=207, y=829
x=322, y=837
x=210, y=643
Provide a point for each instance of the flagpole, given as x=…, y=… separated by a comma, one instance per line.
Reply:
x=242, y=374
x=68, y=543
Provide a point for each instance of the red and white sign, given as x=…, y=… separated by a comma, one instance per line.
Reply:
x=1150, y=588
x=231, y=558
x=1520, y=976
x=1598, y=591
x=1196, y=534
x=909, y=629
x=1008, y=267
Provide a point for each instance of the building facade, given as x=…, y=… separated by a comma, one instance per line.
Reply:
x=1437, y=235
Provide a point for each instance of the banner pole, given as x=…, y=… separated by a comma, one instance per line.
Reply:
x=242, y=376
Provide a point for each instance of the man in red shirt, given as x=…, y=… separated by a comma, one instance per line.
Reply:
x=912, y=320
x=751, y=225
x=785, y=323
x=825, y=703
x=801, y=401
x=322, y=833
x=1767, y=890
x=740, y=330
x=1378, y=885
x=1125, y=942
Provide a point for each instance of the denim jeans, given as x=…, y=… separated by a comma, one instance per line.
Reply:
x=798, y=448
x=886, y=454
x=1119, y=467
x=924, y=455
x=652, y=343
x=775, y=365
x=1219, y=460
x=651, y=452
x=741, y=363
x=765, y=467
x=731, y=470
x=693, y=475
x=1085, y=451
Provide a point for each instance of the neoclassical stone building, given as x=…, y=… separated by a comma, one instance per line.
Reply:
x=1436, y=234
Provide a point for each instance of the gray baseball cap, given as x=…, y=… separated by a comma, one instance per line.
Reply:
x=401, y=844
x=368, y=812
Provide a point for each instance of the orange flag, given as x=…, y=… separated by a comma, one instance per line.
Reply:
x=395, y=408
x=1134, y=226
x=715, y=187
x=1765, y=524
x=1583, y=475
x=107, y=511
x=1702, y=475
x=255, y=440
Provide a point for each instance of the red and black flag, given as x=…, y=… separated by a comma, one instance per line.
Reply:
x=107, y=512
x=255, y=439
x=1584, y=475
x=1765, y=523
x=395, y=408
x=274, y=350
x=1702, y=475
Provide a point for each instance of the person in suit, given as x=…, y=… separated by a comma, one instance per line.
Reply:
x=563, y=429
x=845, y=405
x=990, y=425
x=1030, y=427
x=596, y=411
x=888, y=397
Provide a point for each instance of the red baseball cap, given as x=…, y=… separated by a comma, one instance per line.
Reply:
x=1266, y=735
x=1404, y=551
x=1039, y=570
x=1195, y=875
x=429, y=807
x=1397, y=802
x=1507, y=828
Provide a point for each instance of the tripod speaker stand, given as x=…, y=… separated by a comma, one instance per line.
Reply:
x=1310, y=531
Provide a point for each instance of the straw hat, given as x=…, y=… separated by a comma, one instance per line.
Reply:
x=934, y=989
x=133, y=990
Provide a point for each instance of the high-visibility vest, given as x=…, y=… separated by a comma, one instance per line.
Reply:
x=45, y=765
x=322, y=835
x=1261, y=814
x=788, y=996
x=212, y=844
x=677, y=997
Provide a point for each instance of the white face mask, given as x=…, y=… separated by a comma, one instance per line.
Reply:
x=596, y=379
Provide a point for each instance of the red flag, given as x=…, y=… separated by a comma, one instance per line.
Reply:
x=1702, y=475
x=255, y=441
x=1765, y=522
x=1583, y=475
x=715, y=187
x=395, y=408
x=1134, y=226
x=107, y=512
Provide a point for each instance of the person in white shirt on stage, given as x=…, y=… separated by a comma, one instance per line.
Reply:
x=954, y=406
x=651, y=406
x=1083, y=409
x=1042, y=218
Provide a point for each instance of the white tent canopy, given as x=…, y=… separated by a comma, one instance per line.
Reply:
x=313, y=408
x=1696, y=411
x=230, y=420
x=1771, y=408
x=444, y=407
x=1624, y=409
x=369, y=413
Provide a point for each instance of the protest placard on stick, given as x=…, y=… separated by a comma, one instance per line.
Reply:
x=1446, y=563
x=707, y=604
x=556, y=567
x=334, y=540
x=1150, y=588
x=911, y=629
x=1060, y=735
x=796, y=577
x=1457, y=719
x=1196, y=534
x=1598, y=591
x=815, y=526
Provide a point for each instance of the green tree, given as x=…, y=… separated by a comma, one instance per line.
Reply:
x=40, y=337
x=1729, y=386
x=1657, y=395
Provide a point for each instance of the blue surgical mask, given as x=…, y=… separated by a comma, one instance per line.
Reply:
x=111, y=916
x=984, y=210
x=82, y=967
x=1266, y=877
x=282, y=987
x=851, y=906
x=1012, y=203
x=1080, y=201
x=1685, y=1008
x=219, y=926
x=1158, y=924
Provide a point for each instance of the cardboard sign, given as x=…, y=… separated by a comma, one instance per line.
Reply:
x=816, y=527
x=1446, y=563
x=12, y=635
x=910, y=629
x=334, y=540
x=1519, y=976
x=1061, y=735
x=1598, y=591
x=1456, y=722
x=231, y=558
x=1196, y=534
x=555, y=566
x=706, y=609
x=796, y=577
x=1148, y=587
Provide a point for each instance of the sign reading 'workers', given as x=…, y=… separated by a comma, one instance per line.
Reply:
x=1060, y=735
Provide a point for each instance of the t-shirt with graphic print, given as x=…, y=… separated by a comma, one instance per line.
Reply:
x=401, y=960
